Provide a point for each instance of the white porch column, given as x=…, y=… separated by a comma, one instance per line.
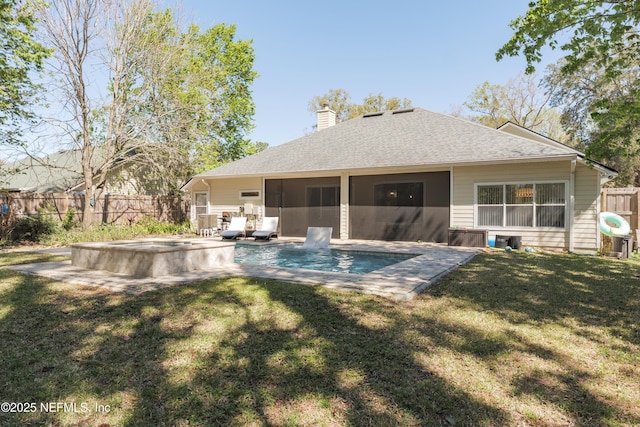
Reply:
x=344, y=206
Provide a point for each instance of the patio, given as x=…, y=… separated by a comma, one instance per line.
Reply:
x=400, y=281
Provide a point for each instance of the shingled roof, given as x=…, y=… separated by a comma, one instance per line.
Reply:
x=392, y=139
x=53, y=173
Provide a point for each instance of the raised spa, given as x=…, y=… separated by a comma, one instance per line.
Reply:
x=152, y=257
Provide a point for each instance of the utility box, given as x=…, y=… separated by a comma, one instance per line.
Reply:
x=623, y=245
x=470, y=237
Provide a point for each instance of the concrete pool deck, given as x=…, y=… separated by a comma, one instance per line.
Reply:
x=402, y=281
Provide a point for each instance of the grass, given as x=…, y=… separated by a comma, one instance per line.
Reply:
x=508, y=339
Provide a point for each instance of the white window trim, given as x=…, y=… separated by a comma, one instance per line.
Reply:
x=503, y=183
x=194, y=206
x=244, y=197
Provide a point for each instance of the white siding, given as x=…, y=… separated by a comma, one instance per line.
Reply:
x=586, y=208
x=198, y=186
x=224, y=195
x=463, y=199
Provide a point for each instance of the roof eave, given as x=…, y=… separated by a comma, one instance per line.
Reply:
x=382, y=168
x=549, y=140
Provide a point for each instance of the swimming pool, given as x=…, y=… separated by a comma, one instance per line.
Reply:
x=343, y=261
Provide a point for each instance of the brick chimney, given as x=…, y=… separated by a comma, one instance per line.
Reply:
x=325, y=118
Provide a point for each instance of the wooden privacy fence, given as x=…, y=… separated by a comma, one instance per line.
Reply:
x=624, y=202
x=110, y=208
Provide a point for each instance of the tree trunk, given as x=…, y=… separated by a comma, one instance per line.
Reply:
x=88, y=213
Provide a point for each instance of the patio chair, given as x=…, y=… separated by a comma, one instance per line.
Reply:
x=268, y=229
x=318, y=237
x=236, y=228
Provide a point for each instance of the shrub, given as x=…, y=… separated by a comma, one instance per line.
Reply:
x=108, y=232
x=148, y=225
x=69, y=221
x=33, y=228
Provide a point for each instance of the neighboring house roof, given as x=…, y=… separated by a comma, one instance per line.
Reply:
x=393, y=139
x=54, y=173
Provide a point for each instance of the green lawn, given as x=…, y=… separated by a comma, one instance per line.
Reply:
x=508, y=339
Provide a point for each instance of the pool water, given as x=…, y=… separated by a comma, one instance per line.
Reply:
x=353, y=262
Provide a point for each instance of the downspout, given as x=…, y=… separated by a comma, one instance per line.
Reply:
x=572, y=201
x=451, y=213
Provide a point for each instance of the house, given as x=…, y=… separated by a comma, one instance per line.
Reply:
x=53, y=173
x=61, y=172
x=411, y=174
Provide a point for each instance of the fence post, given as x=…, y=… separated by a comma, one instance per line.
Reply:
x=636, y=214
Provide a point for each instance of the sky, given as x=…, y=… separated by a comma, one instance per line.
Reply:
x=434, y=53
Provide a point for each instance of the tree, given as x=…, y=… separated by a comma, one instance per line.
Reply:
x=604, y=32
x=172, y=96
x=589, y=101
x=195, y=91
x=338, y=101
x=600, y=36
x=521, y=101
x=374, y=103
x=21, y=56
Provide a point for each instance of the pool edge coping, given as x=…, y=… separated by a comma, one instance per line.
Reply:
x=370, y=283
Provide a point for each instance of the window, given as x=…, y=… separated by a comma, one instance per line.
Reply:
x=550, y=205
x=490, y=205
x=323, y=203
x=521, y=205
x=323, y=196
x=200, y=203
x=399, y=194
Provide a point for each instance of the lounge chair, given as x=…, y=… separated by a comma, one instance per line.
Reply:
x=236, y=228
x=268, y=229
x=318, y=237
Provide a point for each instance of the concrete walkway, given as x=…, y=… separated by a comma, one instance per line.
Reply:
x=403, y=280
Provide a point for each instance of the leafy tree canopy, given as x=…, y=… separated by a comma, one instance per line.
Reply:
x=522, y=101
x=179, y=98
x=207, y=107
x=20, y=57
x=338, y=101
x=598, y=79
x=602, y=31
